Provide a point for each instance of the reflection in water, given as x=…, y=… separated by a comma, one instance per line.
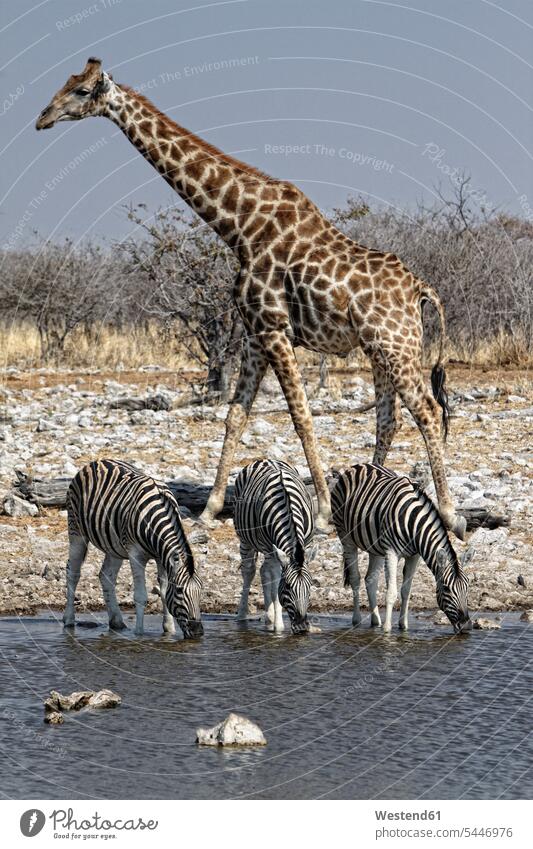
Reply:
x=348, y=713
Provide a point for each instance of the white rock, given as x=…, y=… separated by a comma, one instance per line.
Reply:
x=486, y=536
x=261, y=427
x=483, y=624
x=17, y=507
x=235, y=730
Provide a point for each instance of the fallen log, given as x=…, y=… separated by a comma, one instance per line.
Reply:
x=151, y=402
x=193, y=496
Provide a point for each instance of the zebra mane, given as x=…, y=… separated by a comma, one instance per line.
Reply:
x=422, y=494
x=299, y=551
x=174, y=512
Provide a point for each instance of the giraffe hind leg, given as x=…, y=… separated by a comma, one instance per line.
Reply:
x=405, y=370
x=388, y=413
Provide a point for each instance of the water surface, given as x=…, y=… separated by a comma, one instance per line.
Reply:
x=347, y=713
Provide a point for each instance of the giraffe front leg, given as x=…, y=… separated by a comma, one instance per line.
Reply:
x=253, y=367
x=283, y=360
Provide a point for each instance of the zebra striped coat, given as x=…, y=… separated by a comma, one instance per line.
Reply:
x=274, y=516
x=125, y=513
x=389, y=517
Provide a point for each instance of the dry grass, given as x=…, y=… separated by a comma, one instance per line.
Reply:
x=115, y=349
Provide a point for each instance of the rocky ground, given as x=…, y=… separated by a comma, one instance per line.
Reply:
x=53, y=422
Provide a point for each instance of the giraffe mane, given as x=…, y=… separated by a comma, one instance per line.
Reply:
x=211, y=149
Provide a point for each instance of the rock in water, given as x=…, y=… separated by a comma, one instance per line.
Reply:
x=483, y=624
x=104, y=699
x=235, y=730
x=81, y=699
x=527, y=616
x=54, y=717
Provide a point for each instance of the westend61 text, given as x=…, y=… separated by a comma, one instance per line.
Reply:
x=407, y=815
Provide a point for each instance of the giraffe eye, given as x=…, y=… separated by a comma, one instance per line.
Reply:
x=83, y=92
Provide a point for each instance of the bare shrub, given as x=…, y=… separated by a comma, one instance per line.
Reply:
x=479, y=263
x=56, y=288
x=189, y=276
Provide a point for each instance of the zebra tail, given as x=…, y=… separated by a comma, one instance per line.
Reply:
x=346, y=574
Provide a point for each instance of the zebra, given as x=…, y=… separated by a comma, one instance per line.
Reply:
x=390, y=517
x=274, y=516
x=125, y=513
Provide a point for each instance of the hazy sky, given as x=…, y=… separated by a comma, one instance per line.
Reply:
x=382, y=98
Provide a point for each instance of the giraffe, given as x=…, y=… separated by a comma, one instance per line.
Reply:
x=301, y=283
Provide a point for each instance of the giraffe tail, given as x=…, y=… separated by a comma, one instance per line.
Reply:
x=438, y=372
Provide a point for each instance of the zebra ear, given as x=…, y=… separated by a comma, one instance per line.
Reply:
x=467, y=556
x=442, y=558
x=283, y=558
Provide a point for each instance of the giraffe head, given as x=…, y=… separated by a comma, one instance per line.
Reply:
x=82, y=95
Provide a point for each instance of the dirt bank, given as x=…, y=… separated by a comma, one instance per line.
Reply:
x=53, y=422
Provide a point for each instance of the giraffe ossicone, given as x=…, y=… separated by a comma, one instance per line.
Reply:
x=301, y=283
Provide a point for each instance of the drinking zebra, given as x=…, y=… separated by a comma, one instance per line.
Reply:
x=390, y=517
x=124, y=513
x=274, y=516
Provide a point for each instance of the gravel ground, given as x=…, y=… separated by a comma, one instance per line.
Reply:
x=52, y=422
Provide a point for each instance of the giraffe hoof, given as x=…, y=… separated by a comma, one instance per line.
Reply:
x=459, y=527
x=206, y=520
x=323, y=526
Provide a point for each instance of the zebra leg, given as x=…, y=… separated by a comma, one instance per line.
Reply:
x=108, y=581
x=248, y=566
x=76, y=555
x=352, y=577
x=270, y=578
x=253, y=367
x=168, y=620
x=391, y=566
x=388, y=413
x=375, y=565
x=138, y=559
x=409, y=570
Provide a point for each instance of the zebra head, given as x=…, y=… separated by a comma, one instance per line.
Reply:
x=295, y=585
x=452, y=587
x=183, y=596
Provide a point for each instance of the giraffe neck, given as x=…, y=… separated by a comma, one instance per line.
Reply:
x=216, y=186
